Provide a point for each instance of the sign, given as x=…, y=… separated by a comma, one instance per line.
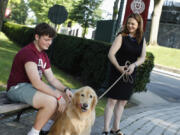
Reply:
x=137, y=6
x=7, y=13
x=57, y=14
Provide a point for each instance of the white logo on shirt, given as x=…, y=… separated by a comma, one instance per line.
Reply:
x=40, y=64
x=41, y=67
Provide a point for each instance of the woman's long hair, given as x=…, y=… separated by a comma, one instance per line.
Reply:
x=139, y=31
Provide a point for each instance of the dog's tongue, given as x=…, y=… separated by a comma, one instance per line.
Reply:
x=80, y=105
x=82, y=108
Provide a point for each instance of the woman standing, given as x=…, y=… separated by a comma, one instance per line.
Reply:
x=129, y=45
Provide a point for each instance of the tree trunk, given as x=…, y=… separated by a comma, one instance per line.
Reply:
x=84, y=32
x=158, y=4
x=85, y=26
x=3, y=4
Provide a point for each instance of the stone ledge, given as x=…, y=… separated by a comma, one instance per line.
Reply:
x=170, y=69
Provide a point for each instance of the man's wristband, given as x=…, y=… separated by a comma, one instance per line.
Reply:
x=59, y=98
x=67, y=89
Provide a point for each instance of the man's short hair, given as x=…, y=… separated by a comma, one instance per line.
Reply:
x=45, y=29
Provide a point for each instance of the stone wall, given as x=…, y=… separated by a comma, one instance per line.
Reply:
x=170, y=14
x=169, y=34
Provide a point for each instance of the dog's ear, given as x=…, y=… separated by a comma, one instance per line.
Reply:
x=94, y=102
x=73, y=98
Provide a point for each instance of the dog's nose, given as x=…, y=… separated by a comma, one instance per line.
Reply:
x=85, y=105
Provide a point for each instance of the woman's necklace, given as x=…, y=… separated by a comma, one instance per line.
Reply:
x=132, y=38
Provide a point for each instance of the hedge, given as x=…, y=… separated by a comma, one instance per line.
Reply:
x=83, y=58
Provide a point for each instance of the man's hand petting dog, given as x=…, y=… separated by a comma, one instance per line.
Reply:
x=62, y=104
x=69, y=94
x=62, y=99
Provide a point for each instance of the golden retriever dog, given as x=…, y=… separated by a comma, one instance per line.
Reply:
x=79, y=116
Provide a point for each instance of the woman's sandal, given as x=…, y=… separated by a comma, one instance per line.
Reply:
x=117, y=132
x=105, y=133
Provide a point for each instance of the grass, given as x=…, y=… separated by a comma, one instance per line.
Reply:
x=7, y=53
x=100, y=107
x=165, y=56
x=8, y=50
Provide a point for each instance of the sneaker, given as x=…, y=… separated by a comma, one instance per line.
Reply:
x=43, y=132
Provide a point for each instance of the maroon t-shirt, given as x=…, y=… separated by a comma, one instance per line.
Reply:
x=27, y=54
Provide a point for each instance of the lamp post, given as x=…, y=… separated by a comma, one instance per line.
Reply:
x=119, y=19
x=118, y=22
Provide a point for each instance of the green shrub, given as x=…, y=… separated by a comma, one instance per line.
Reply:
x=85, y=59
x=143, y=73
x=19, y=34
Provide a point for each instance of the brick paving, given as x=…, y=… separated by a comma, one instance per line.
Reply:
x=10, y=127
x=161, y=119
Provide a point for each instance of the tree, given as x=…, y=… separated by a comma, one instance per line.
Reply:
x=85, y=12
x=3, y=5
x=158, y=4
x=19, y=11
x=41, y=7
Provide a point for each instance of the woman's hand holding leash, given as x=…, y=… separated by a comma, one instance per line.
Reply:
x=126, y=71
x=130, y=69
x=122, y=69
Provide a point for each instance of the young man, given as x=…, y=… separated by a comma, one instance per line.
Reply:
x=25, y=81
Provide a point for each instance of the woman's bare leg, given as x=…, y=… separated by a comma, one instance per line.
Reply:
x=108, y=113
x=118, y=111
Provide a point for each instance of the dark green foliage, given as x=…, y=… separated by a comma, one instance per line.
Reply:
x=18, y=33
x=85, y=59
x=143, y=73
